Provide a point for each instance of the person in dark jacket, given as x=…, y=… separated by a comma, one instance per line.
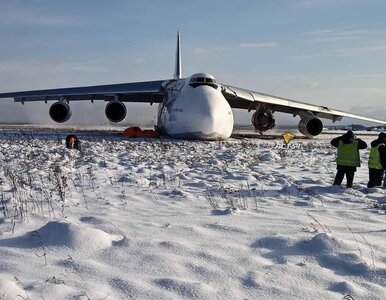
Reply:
x=348, y=158
x=377, y=161
x=72, y=142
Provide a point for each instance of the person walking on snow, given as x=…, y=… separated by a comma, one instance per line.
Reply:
x=377, y=161
x=348, y=158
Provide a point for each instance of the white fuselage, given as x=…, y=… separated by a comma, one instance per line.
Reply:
x=195, y=110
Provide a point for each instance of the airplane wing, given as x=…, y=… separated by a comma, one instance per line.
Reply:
x=247, y=99
x=148, y=91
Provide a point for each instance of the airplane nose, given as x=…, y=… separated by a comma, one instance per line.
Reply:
x=213, y=109
x=206, y=115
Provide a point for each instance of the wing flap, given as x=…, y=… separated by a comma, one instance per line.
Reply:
x=148, y=91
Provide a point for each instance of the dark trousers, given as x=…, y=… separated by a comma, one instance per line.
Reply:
x=375, y=178
x=344, y=170
x=384, y=182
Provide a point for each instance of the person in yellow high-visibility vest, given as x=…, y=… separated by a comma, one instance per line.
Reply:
x=348, y=158
x=377, y=161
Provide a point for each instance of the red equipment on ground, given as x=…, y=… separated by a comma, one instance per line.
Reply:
x=138, y=132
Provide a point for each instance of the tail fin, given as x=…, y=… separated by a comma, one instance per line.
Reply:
x=178, y=67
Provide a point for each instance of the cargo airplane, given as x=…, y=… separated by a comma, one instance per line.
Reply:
x=196, y=107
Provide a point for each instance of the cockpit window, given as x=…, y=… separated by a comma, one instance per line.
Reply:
x=198, y=81
x=202, y=79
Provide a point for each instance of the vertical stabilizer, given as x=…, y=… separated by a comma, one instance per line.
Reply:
x=177, y=67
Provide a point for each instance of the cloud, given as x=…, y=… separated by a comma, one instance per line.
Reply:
x=373, y=91
x=31, y=17
x=341, y=43
x=139, y=61
x=53, y=66
x=37, y=74
x=307, y=4
x=365, y=50
x=371, y=75
x=336, y=35
x=378, y=112
x=314, y=84
x=206, y=50
x=316, y=4
x=259, y=45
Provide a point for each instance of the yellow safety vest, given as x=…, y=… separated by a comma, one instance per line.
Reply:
x=348, y=154
x=375, y=158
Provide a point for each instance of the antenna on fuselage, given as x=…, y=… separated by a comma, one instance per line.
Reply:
x=178, y=67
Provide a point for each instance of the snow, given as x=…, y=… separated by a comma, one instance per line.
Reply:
x=167, y=219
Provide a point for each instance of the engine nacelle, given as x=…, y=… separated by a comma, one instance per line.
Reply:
x=263, y=120
x=60, y=112
x=310, y=126
x=115, y=111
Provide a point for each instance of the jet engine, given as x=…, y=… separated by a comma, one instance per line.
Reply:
x=310, y=125
x=115, y=111
x=263, y=120
x=60, y=112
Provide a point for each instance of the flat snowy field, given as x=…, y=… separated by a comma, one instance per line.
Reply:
x=168, y=219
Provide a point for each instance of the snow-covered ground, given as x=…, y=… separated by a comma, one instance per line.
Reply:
x=167, y=219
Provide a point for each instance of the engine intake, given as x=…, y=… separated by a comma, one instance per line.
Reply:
x=310, y=126
x=60, y=112
x=115, y=111
x=263, y=120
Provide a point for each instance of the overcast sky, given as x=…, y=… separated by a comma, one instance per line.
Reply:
x=327, y=52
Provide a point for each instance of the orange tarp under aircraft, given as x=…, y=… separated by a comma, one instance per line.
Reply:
x=138, y=132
